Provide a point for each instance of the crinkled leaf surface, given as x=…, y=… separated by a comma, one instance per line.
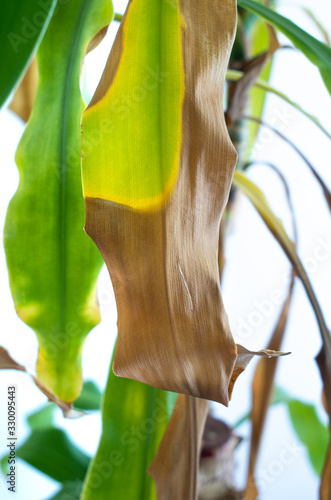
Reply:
x=157, y=170
x=22, y=26
x=175, y=467
x=53, y=266
x=317, y=52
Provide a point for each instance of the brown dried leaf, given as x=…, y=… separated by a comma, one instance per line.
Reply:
x=97, y=39
x=323, y=362
x=244, y=356
x=8, y=363
x=262, y=387
x=175, y=466
x=251, y=68
x=24, y=96
x=173, y=331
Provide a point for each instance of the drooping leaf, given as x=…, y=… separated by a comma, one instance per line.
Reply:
x=251, y=69
x=24, y=96
x=89, y=399
x=263, y=85
x=276, y=227
x=259, y=37
x=324, y=358
x=317, y=52
x=307, y=426
x=53, y=266
x=134, y=418
x=158, y=233
x=318, y=24
x=8, y=363
x=311, y=432
x=325, y=189
x=262, y=388
x=175, y=467
x=22, y=26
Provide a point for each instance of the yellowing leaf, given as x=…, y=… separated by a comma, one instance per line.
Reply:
x=143, y=99
x=53, y=266
x=164, y=171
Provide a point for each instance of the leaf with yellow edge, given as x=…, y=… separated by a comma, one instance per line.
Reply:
x=53, y=266
x=157, y=168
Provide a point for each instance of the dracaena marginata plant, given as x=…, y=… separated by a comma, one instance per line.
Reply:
x=148, y=167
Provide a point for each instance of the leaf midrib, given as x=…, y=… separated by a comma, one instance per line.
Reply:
x=70, y=69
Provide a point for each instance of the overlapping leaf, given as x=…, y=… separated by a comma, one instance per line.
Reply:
x=52, y=264
x=317, y=52
x=263, y=85
x=157, y=168
x=324, y=357
x=134, y=417
x=22, y=26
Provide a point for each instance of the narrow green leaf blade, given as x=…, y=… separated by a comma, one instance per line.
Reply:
x=130, y=438
x=317, y=52
x=22, y=26
x=53, y=266
x=311, y=432
x=51, y=452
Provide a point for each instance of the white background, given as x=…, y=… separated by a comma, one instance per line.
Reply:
x=256, y=267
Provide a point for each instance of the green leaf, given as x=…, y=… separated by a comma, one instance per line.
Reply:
x=22, y=26
x=69, y=491
x=311, y=432
x=53, y=266
x=259, y=38
x=130, y=437
x=317, y=52
x=51, y=452
x=307, y=426
x=43, y=418
x=90, y=397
